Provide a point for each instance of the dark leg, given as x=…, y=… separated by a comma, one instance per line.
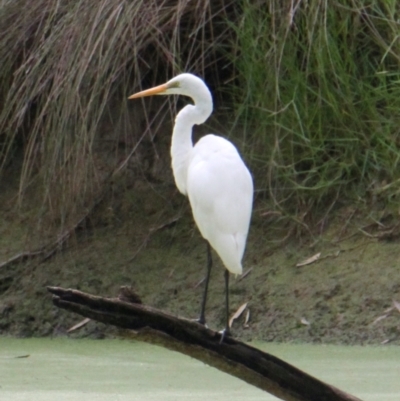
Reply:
x=227, y=331
x=202, y=318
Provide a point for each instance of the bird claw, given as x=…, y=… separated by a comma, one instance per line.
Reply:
x=200, y=321
x=224, y=333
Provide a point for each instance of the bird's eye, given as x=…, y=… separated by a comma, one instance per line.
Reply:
x=175, y=84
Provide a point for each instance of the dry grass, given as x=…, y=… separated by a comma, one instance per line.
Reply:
x=67, y=69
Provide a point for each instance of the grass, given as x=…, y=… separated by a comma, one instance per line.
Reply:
x=67, y=70
x=318, y=99
x=314, y=87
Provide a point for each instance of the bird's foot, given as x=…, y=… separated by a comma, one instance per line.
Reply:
x=201, y=321
x=224, y=334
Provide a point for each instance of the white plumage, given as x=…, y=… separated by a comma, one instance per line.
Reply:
x=220, y=191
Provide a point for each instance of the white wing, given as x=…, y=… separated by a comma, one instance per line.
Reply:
x=220, y=190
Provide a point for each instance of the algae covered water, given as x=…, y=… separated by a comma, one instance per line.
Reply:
x=63, y=369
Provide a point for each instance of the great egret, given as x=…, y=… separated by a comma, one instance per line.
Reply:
x=212, y=174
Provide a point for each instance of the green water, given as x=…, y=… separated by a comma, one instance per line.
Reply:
x=62, y=369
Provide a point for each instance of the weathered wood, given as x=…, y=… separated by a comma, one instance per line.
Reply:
x=255, y=367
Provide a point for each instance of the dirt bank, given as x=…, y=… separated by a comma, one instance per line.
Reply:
x=146, y=237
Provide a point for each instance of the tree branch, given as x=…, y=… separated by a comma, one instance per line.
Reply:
x=255, y=367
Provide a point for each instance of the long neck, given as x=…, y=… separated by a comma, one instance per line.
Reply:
x=182, y=143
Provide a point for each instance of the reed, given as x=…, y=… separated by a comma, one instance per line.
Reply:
x=67, y=68
x=318, y=99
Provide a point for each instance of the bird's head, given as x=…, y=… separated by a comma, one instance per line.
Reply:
x=183, y=84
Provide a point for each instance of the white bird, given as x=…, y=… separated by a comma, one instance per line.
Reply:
x=214, y=177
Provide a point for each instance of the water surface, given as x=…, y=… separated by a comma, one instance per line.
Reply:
x=64, y=370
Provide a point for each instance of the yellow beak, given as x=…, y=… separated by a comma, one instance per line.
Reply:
x=157, y=90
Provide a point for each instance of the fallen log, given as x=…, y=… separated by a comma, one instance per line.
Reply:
x=236, y=358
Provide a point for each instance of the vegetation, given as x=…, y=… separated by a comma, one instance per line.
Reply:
x=320, y=99
x=314, y=88
x=67, y=69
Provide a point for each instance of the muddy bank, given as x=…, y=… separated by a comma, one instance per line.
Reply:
x=146, y=237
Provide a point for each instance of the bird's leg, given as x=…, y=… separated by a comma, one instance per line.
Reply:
x=202, y=318
x=227, y=331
